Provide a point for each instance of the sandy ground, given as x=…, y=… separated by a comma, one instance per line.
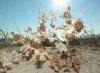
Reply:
x=90, y=64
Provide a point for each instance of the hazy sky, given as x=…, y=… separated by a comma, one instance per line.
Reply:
x=25, y=12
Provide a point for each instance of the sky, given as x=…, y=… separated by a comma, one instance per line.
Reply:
x=17, y=15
